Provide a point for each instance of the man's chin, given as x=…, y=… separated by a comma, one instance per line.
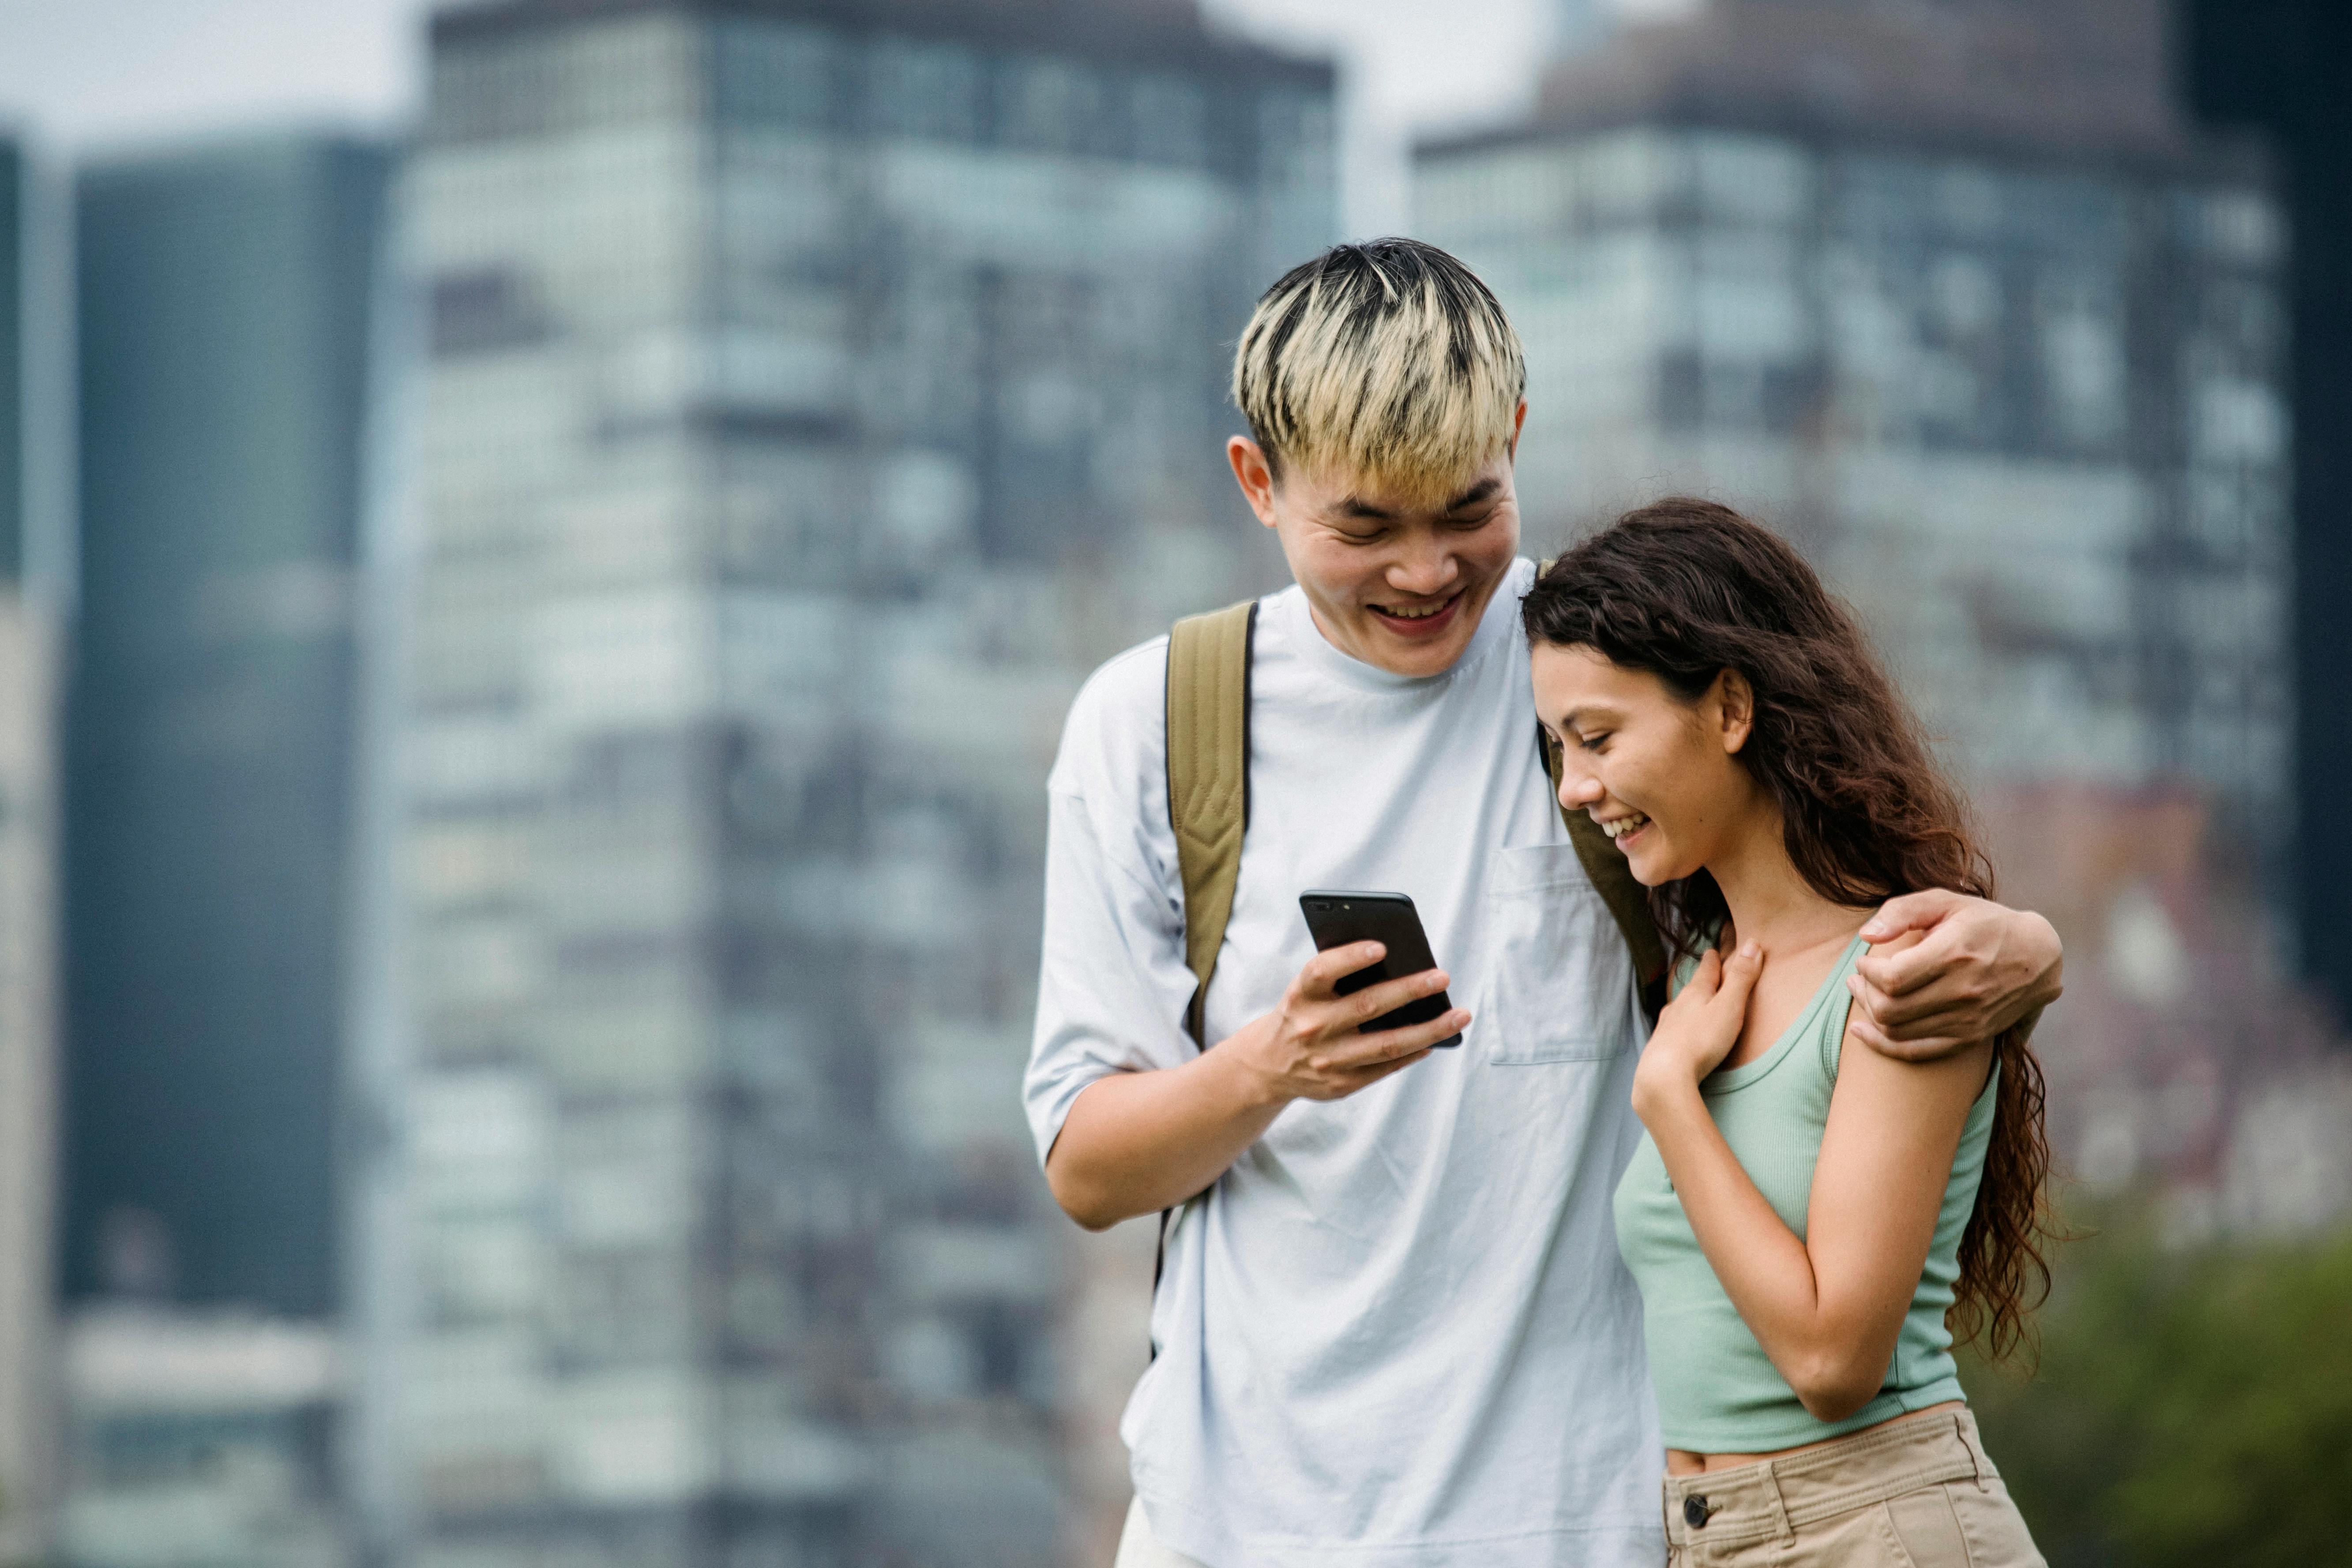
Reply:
x=1408, y=654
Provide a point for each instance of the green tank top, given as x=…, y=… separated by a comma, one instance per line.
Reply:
x=1718, y=1391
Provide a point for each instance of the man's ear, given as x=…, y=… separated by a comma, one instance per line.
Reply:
x=1735, y=705
x=1253, y=474
x=1518, y=424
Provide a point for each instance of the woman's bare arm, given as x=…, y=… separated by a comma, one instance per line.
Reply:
x=1826, y=1308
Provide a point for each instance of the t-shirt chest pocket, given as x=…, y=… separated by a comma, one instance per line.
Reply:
x=1559, y=980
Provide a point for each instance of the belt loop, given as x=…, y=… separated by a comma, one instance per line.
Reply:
x=1976, y=1454
x=1780, y=1502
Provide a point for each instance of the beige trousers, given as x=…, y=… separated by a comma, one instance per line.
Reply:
x=1917, y=1493
x=1138, y=1548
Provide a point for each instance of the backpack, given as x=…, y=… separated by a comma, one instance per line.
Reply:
x=1207, y=804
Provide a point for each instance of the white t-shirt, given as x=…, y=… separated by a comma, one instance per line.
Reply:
x=1396, y=1333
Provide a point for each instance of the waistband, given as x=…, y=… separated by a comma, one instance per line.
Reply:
x=1772, y=1499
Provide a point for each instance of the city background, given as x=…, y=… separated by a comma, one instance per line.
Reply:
x=546, y=545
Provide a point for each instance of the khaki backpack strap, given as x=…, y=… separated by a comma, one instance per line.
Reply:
x=1208, y=779
x=1628, y=901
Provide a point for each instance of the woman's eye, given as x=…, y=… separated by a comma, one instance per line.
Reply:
x=1593, y=743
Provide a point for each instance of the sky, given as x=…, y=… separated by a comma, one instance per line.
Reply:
x=88, y=75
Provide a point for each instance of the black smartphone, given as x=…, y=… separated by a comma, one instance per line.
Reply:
x=1338, y=917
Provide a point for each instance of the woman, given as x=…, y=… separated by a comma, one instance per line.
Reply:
x=1808, y=1219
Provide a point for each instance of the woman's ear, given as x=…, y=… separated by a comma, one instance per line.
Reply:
x=1735, y=707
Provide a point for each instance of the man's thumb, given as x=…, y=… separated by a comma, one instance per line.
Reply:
x=1911, y=911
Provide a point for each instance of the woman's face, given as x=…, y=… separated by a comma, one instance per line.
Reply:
x=1659, y=775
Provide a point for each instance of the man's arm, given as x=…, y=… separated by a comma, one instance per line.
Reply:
x=1128, y=1116
x=1137, y=1141
x=1978, y=969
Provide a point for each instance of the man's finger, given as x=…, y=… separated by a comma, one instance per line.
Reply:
x=1911, y=911
x=1943, y=999
x=1363, y=1007
x=1899, y=974
x=1367, y=1077
x=1357, y=1052
x=1920, y=1050
x=1331, y=966
x=1923, y=1016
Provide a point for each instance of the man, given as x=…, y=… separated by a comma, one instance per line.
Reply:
x=1392, y=1330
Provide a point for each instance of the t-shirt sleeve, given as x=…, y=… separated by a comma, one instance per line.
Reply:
x=1112, y=985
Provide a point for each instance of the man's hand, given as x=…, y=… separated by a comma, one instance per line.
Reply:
x=1136, y=1142
x=1309, y=1047
x=1978, y=969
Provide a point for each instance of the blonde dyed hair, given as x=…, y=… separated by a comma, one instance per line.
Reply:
x=1388, y=361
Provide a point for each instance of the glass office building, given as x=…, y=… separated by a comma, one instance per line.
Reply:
x=1957, y=302
x=226, y=306
x=2271, y=68
x=16, y=181
x=199, y=1440
x=224, y=311
x=815, y=391
x=33, y=444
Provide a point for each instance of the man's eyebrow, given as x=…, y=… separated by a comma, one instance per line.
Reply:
x=1480, y=491
x=1356, y=505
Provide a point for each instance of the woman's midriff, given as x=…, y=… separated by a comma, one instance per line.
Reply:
x=1683, y=1462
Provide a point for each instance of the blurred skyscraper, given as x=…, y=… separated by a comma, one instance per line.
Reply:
x=200, y=1440
x=227, y=307
x=1954, y=294
x=815, y=390
x=2281, y=66
x=33, y=446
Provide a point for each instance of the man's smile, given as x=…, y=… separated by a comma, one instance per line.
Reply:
x=1418, y=621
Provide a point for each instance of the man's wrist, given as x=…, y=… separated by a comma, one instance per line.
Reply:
x=2052, y=980
x=1244, y=1085
x=2041, y=939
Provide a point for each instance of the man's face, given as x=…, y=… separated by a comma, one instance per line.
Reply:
x=1397, y=582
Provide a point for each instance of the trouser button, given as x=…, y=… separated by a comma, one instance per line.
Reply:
x=1695, y=1511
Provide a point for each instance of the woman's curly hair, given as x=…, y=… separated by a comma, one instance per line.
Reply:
x=1686, y=589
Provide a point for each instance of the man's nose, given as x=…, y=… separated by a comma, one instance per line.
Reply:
x=1426, y=571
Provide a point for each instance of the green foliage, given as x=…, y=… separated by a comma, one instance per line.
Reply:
x=2191, y=1407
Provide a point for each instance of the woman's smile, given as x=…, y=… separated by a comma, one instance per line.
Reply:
x=1623, y=829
